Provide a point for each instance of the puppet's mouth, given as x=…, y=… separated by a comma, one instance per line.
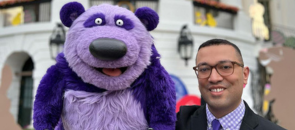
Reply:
x=112, y=71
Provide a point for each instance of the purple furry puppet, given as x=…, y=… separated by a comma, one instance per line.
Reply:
x=109, y=76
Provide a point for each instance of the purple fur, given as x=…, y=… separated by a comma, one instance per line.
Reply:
x=145, y=81
x=70, y=11
x=128, y=24
x=49, y=98
x=90, y=22
x=148, y=17
x=93, y=111
x=157, y=102
x=59, y=126
x=48, y=104
x=159, y=111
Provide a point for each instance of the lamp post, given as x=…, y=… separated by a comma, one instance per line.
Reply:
x=57, y=40
x=185, y=44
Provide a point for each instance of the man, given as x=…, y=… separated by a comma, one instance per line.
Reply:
x=221, y=74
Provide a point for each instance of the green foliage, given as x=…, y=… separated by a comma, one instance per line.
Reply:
x=290, y=42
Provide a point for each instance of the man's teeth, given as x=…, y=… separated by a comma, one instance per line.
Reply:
x=217, y=89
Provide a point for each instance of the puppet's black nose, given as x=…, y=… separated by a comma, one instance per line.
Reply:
x=107, y=49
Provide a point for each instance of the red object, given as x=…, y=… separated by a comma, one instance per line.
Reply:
x=11, y=2
x=188, y=100
x=218, y=5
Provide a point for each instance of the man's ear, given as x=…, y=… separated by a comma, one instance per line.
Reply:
x=148, y=17
x=69, y=12
x=246, y=72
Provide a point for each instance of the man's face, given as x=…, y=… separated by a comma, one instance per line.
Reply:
x=221, y=92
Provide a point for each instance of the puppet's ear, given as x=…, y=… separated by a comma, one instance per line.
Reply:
x=148, y=17
x=69, y=12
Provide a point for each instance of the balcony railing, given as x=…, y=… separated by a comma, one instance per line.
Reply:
x=213, y=13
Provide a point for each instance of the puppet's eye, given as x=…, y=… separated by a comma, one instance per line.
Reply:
x=123, y=22
x=95, y=20
x=120, y=22
x=98, y=21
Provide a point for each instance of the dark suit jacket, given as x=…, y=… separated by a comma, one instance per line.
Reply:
x=194, y=118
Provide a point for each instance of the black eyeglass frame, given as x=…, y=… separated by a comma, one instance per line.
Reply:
x=233, y=63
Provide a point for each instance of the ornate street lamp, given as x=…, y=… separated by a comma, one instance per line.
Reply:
x=57, y=40
x=185, y=44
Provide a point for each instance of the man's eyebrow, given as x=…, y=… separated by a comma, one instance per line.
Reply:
x=222, y=61
x=205, y=63
x=202, y=63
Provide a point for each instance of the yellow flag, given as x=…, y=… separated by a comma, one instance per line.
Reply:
x=199, y=19
x=210, y=20
x=16, y=20
x=265, y=106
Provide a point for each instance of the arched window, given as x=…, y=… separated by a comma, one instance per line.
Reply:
x=26, y=94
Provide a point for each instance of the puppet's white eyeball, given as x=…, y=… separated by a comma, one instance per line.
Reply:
x=120, y=22
x=98, y=21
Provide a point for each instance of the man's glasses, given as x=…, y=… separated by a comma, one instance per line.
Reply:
x=223, y=68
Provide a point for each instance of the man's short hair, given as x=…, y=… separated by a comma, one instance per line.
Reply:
x=222, y=42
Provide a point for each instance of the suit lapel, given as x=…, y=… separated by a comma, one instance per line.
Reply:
x=250, y=121
x=199, y=119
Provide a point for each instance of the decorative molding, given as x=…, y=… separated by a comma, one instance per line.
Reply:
x=216, y=6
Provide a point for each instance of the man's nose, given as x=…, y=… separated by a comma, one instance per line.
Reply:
x=215, y=77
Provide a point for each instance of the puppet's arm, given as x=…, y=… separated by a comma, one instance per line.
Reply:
x=48, y=101
x=155, y=90
x=161, y=101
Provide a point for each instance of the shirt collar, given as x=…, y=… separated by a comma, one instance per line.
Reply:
x=230, y=121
